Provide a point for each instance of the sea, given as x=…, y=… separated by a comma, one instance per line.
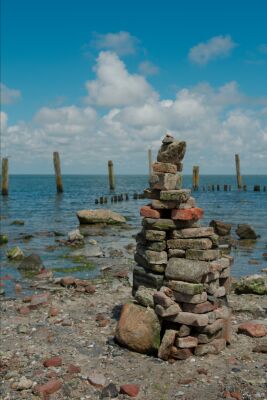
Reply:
x=33, y=199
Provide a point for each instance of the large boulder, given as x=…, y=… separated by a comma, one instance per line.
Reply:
x=31, y=263
x=255, y=284
x=100, y=217
x=138, y=329
x=221, y=228
x=245, y=231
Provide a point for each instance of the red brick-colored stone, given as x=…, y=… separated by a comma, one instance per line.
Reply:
x=53, y=312
x=187, y=215
x=149, y=212
x=38, y=300
x=24, y=310
x=180, y=354
x=73, y=369
x=53, y=362
x=200, y=308
x=67, y=281
x=252, y=329
x=90, y=289
x=130, y=389
x=48, y=388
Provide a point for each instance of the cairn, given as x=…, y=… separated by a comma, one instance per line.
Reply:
x=183, y=263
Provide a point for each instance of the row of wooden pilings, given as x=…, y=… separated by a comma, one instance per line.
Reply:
x=195, y=182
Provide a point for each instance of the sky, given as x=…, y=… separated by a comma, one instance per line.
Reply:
x=100, y=80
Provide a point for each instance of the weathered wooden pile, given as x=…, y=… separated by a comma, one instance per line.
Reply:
x=182, y=262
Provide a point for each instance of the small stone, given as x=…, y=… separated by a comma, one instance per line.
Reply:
x=149, y=212
x=129, y=389
x=252, y=329
x=182, y=269
x=179, y=253
x=73, y=369
x=75, y=235
x=15, y=253
x=187, y=298
x=164, y=205
x=48, y=388
x=170, y=311
x=38, y=300
x=163, y=181
x=192, y=233
x=155, y=236
x=68, y=281
x=144, y=296
x=186, y=287
x=186, y=342
x=190, y=319
x=22, y=384
x=52, y=362
x=180, y=195
x=164, y=167
x=167, y=344
x=260, y=348
x=91, y=289
x=245, y=231
x=109, y=392
x=214, y=327
x=162, y=299
x=203, y=255
x=188, y=214
x=22, y=328
x=221, y=228
x=24, y=310
x=3, y=239
x=180, y=354
x=198, y=244
x=97, y=380
x=198, y=308
x=53, y=312
x=32, y=262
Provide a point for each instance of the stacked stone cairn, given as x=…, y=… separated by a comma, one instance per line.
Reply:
x=181, y=263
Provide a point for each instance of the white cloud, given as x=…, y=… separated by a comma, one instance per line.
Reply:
x=148, y=68
x=215, y=122
x=114, y=86
x=122, y=42
x=216, y=47
x=9, y=96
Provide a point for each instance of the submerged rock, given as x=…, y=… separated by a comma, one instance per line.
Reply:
x=3, y=238
x=17, y=222
x=138, y=329
x=221, y=228
x=89, y=251
x=245, y=231
x=75, y=235
x=15, y=253
x=100, y=216
x=31, y=263
x=255, y=284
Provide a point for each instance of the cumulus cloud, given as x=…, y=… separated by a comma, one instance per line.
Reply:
x=215, y=122
x=9, y=96
x=216, y=47
x=122, y=42
x=114, y=86
x=148, y=68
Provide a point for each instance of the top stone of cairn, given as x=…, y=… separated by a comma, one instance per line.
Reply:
x=171, y=151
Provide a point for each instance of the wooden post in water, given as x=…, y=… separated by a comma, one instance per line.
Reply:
x=111, y=175
x=5, y=176
x=195, y=177
x=238, y=174
x=149, y=154
x=58, y=172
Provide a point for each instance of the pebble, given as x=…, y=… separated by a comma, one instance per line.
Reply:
x=52, y=362
x=97, y=380
x=110, y=391
x=130, y=389
x=22, y=328
x=22, y=384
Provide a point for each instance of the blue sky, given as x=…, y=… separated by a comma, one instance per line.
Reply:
x=106, y=79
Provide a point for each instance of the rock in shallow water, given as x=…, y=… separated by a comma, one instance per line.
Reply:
x=15, y=253
x=31, y=263
x=245, y=231
x=100, y=216
x=255, y=284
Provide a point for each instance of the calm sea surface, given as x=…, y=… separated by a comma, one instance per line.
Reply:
x=33, y=199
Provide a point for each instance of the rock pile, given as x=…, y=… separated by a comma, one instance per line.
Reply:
x=182, y=263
